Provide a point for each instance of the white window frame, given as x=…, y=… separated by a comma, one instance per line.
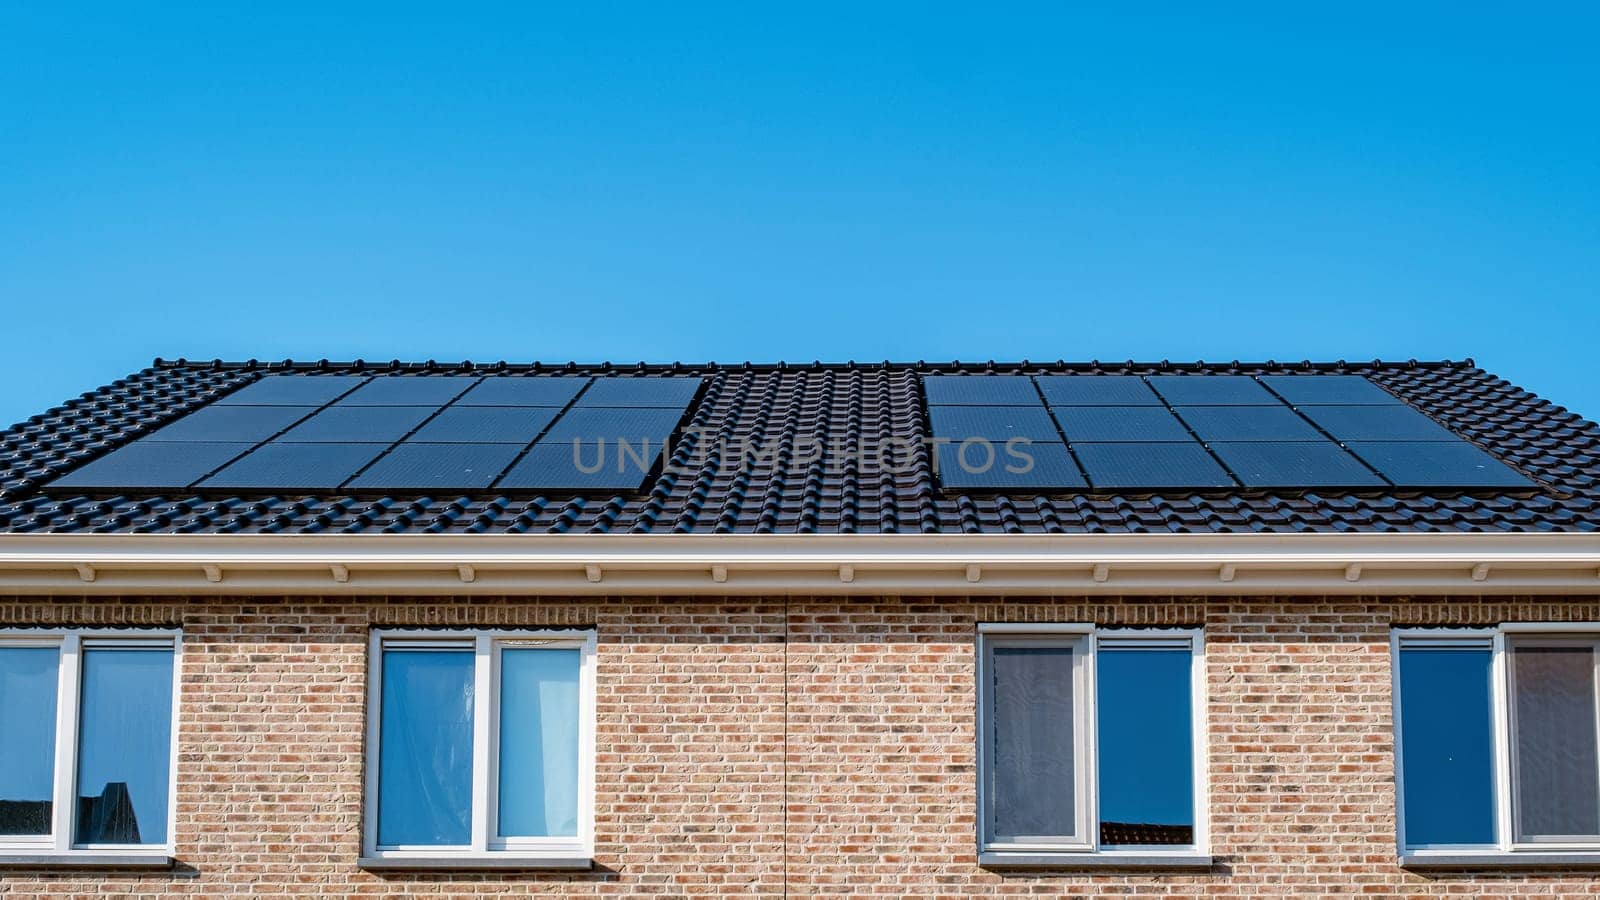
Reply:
x=1507, y=848
x=487, y=847
x=1086, y=640
x=70, y=643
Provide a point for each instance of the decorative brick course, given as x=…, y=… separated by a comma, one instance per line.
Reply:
x=818, y=746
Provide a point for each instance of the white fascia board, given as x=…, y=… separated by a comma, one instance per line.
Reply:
x=744, y=564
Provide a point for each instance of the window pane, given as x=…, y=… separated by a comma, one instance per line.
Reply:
x=1032, y=780
x=425, y=748
x=1146, y=739
x=1558, y=777
x=1447, y=745
x=124, y=745
x=539, y=743
x=27, y=738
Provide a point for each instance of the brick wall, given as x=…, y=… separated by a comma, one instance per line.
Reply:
x=821, y=745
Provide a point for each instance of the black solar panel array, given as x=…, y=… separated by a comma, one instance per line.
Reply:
x=1007, y=439
x=407, y=433
x=609, y=439
x=1052, y=433
x=1193, y=432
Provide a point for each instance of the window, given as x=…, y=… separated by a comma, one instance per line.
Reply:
x=87, y=738
x=1089, y=743
x=480, y=747
x=1498, y=740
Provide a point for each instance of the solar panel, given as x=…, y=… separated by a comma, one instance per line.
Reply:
x=1212, y=390
x=611, y=425
x=1377, y=423
x=994, y=423
x=554, y=467
x=1325, y=390
x=1438, y=464
x=980, y=465
x=432, y=467
x=151, y=465
x=291, y=390
x=251, y=424
x=446, y=432
x=523, y=391
x=980, y=390
x=1295, y=464
x=1119, y=423
x=409, y=390
x=663, y=393
x=1248, y=423
x=1096, y=390
x=279, y=466
x=1151, y=466
x=359, y=424
x=486, y=425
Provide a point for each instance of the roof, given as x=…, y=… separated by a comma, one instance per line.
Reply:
x=848, y=402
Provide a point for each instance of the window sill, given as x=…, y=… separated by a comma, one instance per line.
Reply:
x=502, y=861
x=86, y=860
x=1030, y=859
x=1499, y=859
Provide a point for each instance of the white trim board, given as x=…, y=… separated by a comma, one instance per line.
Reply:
x=1410, y=564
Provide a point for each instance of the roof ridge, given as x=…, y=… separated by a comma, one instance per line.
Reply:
x=925, y=366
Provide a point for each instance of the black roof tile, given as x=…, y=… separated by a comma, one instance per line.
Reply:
x=779, y=411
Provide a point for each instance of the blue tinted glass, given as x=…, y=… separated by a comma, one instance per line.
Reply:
x=27, y=738
x=124, y=745
x=539, y=743
x=1146, y=743
x=425, y=748
x=1446, y=757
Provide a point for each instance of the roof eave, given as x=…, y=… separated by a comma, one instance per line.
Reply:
x=438, y=565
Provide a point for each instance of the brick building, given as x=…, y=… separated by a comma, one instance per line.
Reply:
x=879, y=630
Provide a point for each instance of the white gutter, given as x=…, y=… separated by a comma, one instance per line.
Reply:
x=735, y=565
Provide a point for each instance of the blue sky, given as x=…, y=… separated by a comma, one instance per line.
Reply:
x=868, y=181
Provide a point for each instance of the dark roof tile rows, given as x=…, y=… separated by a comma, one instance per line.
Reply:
x=845, y=406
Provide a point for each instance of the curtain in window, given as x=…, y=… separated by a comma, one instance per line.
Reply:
x=124, y=745
x=1033, y=772
x=27, y=738
x=425, y=748
x=538, y=751
x=1558, y=773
